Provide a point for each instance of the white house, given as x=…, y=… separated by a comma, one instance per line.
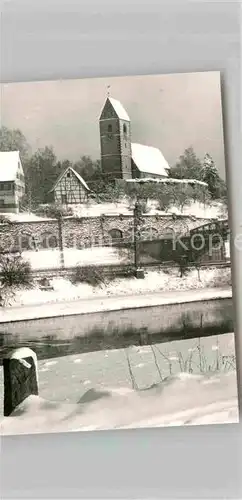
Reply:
x=12, y=182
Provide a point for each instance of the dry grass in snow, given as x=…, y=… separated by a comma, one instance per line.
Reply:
x=214, y=210
x=93, y=209
x=184, y=382
x=154, y=281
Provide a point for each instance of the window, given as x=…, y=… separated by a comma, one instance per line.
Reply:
x=116, y=236
x=64, y=199
x=6, y=186
x=49, y=241
x=68, y=174
x=24, y=241
x=109, y=128
x=124, y=128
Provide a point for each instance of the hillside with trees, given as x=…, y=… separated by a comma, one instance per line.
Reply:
x=42, y=168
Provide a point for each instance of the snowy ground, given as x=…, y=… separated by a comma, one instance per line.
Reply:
x=23, y=217
x=186, y=382
x=154, y=282
x=94, y=210
x=197, y=209
x=44, y=259
x=94, y=256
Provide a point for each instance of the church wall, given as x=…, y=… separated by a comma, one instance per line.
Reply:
x=105, y=126
x=125, y=149
x=112, y=167
x=115, y=139
x=110, y=149
x=110, y=145
x=148, y=174
x=135, y=171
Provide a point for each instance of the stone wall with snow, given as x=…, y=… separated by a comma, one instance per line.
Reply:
x=90, y=231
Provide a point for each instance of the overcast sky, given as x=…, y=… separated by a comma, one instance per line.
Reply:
x=171, y=112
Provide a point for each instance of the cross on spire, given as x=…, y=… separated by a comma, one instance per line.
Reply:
x=108, y=90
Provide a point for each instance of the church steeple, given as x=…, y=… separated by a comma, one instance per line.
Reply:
x=115, y=138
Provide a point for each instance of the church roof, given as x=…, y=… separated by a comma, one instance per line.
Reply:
x=9, y=161
x=118, y=108
x=78, y=176
x=149, y=160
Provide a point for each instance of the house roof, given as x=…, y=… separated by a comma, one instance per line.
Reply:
x=118, y=108
x=78, y=176
x=9, y=161
x=149, y=160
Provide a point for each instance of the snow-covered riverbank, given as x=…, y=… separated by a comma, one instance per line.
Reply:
x=109, y=303
x=157, y=288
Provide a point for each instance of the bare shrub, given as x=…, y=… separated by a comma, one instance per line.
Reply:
x=54, y=211
x=4, y=219
x=15, y=272
x=222, y=277
x=90, y=275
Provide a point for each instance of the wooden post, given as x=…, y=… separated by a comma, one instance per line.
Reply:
x=20, y=378
x=139, y=272
x=61, y=246
x=136, y=245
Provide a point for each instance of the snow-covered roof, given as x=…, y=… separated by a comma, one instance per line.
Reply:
x=9, y=161
x=78, y=176
x=118, y=108
x=169, y=180
x=149, y=159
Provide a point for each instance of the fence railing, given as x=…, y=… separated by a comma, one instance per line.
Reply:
x=119, y=270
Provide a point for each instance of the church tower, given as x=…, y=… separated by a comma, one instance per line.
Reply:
x=115, y=139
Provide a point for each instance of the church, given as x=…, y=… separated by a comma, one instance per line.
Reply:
x=120, y=157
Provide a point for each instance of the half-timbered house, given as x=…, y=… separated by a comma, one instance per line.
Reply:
x=70, y=188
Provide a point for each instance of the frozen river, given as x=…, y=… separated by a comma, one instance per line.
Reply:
x=60, y=336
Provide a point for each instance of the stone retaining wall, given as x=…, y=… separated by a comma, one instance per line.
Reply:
x=85, y=231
